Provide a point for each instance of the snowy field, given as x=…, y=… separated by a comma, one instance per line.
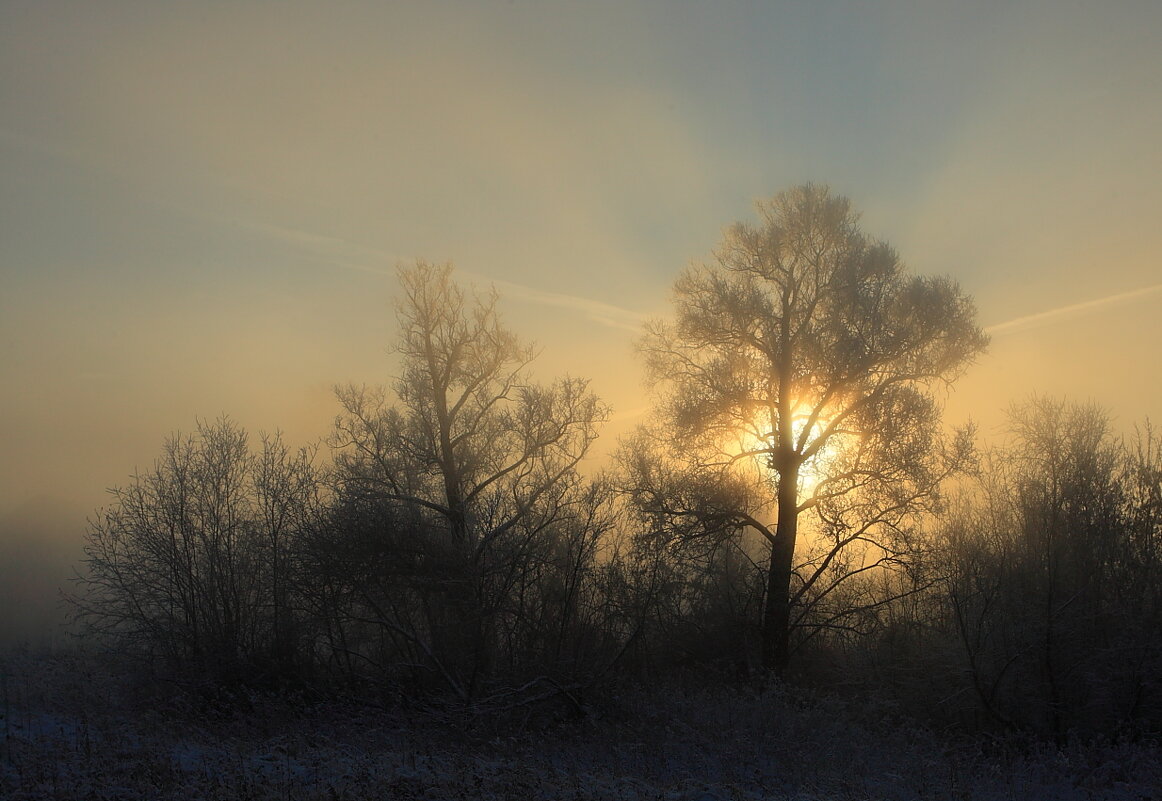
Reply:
x=73, y=728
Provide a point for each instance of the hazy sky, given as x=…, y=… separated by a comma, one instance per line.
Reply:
x=202, y=204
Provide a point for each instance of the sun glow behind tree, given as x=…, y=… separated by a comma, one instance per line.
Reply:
x=754, y=446
x=806, y=343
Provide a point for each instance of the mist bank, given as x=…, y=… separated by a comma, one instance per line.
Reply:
x=40, y=548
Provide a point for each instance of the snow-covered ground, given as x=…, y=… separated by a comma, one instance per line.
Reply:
x=71, y=727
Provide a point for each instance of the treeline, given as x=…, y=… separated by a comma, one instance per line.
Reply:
x=1041, y=608
x=793, y=508
x=450, y=546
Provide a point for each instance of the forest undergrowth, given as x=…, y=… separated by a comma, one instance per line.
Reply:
x=84, y=725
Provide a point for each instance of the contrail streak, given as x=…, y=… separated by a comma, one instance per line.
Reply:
x=342, y=253
x=604, y=313
x=1053, y=315
x=338, y=252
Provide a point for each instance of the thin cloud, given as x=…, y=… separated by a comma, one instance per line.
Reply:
x=331, y=249
x=1073, y=310
x=335, y=251
x=603, y=313
x=342, y=253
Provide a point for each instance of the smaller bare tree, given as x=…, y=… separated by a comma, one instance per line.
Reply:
x=476, y=466
x=189, y=562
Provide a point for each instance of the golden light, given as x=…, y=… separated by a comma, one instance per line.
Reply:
x=757, y=440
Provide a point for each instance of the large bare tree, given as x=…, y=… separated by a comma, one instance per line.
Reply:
x=798, y=372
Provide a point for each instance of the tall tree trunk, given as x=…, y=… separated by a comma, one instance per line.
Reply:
x=776, y=631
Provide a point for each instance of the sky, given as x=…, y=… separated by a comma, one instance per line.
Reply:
x=203, y=204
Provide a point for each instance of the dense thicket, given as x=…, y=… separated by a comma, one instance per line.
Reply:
x=193, y=562
x=451, y=546
x=1054, y=586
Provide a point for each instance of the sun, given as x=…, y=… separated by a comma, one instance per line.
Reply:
x=757, y=440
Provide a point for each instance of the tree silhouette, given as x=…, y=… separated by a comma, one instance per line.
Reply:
x=482, y=461
x=191, y=561
x=797, y=371
x=1053, y=570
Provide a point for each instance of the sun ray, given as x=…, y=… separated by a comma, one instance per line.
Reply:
x=755, y=441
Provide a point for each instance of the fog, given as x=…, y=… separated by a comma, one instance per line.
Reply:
x=202, y=207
